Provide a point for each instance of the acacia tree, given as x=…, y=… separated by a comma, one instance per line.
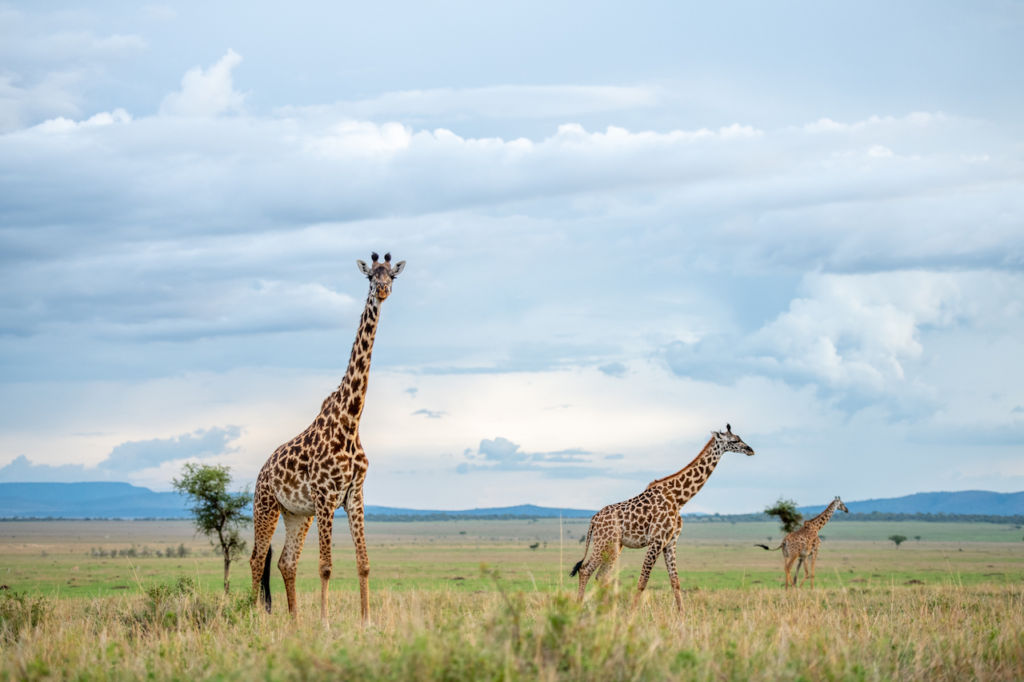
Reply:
x=218, y=514
x=898, y=539
x=789, y=518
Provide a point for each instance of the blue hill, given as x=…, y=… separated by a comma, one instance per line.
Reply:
x=982, y=502
x=123, y=500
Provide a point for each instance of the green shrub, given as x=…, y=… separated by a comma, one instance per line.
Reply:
x=19, y=611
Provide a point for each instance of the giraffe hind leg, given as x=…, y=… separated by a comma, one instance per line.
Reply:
x=603, y=557
x=265, y=515
x=787, y=566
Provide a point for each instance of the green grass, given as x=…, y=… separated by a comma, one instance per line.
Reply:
x=53, y=558
x=471, y=600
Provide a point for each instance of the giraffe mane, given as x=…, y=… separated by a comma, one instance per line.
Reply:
x=692, y=462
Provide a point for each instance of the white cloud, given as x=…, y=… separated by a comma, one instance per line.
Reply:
x=502, y=101
x=859, y=330
x=206, y=92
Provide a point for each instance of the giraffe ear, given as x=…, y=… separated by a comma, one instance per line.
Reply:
x=363, y=268
x=399, y=266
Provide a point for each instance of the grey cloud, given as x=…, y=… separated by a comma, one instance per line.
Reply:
x=128, y=458
x=613, y=369
x=501, y=454
x=430, y=414
x=138, y=455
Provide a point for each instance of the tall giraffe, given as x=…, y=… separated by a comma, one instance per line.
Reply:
x=804, y=543
x=651, y=519
x=322, y=469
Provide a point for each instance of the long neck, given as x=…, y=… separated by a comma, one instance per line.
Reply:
x=686, y=482
x=351, y=394
x=819, y=521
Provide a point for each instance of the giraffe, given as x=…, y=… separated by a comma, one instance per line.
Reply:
x=651, y=519
x=322, y=469
x=804, y=543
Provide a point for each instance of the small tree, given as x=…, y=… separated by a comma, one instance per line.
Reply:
x=898, y=539
x=789, y=518
x=219, y=514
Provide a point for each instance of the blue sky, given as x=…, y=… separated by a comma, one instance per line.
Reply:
x=623, y=229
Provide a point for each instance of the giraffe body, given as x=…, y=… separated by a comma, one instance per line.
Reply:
x=322, y=469
x=651, y=519
x=802, y=545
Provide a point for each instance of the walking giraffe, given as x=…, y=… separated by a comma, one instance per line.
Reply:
x=804, y=542
x=651, y=519
x=322, y=469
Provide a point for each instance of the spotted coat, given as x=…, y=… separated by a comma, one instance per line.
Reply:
x=322, y=469
x=651, y=519
x=803, y=544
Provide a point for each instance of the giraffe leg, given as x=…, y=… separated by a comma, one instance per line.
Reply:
x=354, y=509
x=787, y=565
x=265, y=512
x=605, y=553
x=814, y=563
x=673, y=575
x=796, y=573
x=645, y=573
x=295, y=526
x=324, y=528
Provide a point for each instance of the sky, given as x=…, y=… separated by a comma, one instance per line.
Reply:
x=623, y=228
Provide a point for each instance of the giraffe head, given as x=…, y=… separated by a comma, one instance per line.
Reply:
x=381, y=275
x=730, y=442
x=841, y=505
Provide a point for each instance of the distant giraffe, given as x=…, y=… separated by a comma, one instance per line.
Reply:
x=322, y=469
x=651, y=519
x=804, y=542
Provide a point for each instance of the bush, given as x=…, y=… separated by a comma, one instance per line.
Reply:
x=19, y=611
x=173, y=606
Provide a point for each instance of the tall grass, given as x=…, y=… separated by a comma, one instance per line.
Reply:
x=180, y=632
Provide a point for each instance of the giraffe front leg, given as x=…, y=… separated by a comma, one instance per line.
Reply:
x=814, y=563
x=354, y=509
x=296, y=526
x=645, y=573
x=673, y=575
x=325, y=527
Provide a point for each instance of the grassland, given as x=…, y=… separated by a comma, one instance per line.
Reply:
x=472, y=600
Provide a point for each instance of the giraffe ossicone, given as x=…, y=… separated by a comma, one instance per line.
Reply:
x=323, y=468
x=651, y=519
x=804, y=543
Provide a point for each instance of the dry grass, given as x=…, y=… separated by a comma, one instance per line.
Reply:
x=177, y=632
x=438, y=615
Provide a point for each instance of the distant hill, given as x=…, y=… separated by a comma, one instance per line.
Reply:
x=519, y=511
x=980, y=502
x=126, y=501
x=88, y=500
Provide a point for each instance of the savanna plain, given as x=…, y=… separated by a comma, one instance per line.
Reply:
x=492, y=599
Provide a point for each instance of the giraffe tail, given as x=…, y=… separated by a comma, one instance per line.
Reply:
x=265, y=580
x=770, y=549
x=579, y=564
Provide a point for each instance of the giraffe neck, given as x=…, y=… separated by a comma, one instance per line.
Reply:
x=819, y=521
x=351, y=394
x=685, y=483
